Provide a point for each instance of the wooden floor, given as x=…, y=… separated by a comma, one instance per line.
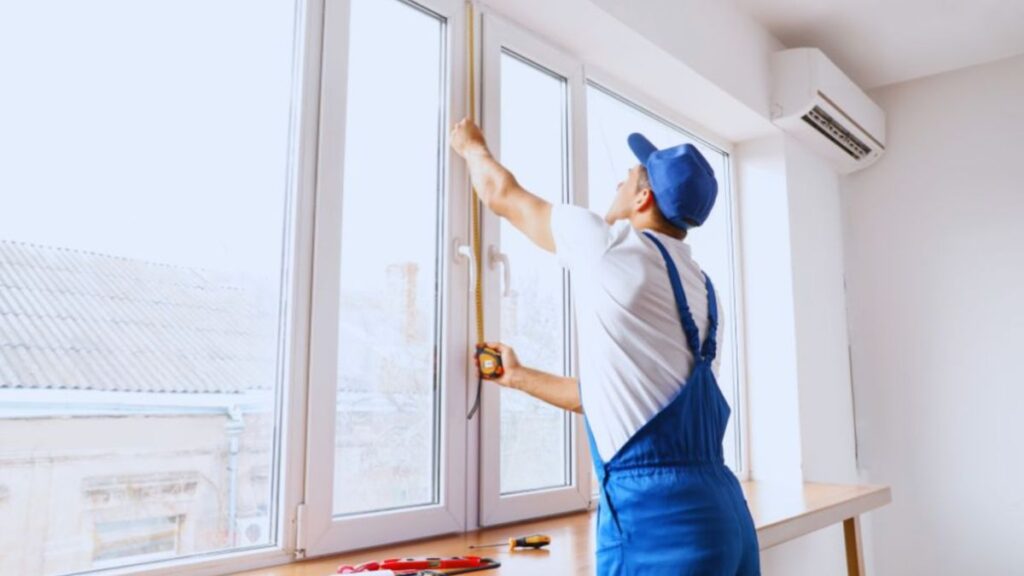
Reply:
x=781, y=513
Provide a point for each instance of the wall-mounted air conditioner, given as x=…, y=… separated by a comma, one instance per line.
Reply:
x=815, y=102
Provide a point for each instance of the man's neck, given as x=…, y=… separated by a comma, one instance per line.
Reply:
x=666, y=229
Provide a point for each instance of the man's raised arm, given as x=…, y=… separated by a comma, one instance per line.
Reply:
x=498, y=188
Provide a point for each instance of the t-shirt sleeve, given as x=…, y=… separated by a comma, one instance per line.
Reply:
x=581, y=236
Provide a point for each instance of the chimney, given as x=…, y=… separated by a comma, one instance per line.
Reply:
x=405, y=276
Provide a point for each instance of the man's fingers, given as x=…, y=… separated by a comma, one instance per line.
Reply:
x=464, y=123
x=496, y=346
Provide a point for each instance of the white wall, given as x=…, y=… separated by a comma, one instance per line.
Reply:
x=823, y=369
x=798, y=379
x=717, y=105
x=935, y=261
x=823, y=361
x=716, y=39
x=772, y=395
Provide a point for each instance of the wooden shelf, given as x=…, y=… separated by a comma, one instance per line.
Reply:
x=785, y=512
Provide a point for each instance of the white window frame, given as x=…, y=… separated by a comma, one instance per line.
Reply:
x=321, y=532
x=499, y=36
x=470, y=465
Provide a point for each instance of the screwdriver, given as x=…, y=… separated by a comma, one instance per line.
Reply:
x=536, y=542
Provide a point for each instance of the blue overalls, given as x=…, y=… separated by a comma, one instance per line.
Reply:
x=669, y=505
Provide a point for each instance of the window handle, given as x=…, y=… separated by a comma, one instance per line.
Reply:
x=494, y=257
x=465, y=252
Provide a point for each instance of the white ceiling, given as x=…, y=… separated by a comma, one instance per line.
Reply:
x=878, y=42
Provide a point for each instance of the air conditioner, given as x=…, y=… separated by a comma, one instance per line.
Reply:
x=815, y=102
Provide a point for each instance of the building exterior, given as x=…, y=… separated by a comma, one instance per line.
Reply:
x=138, y=406
x=136, y=410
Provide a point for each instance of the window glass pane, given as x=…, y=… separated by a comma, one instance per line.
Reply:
x=610, y=121
x=387, y=441
x=534, y=436
x=144, y=193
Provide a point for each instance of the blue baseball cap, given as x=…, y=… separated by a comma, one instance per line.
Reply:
x=683, y=182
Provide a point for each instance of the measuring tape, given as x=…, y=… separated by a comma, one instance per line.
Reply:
x=488, y=359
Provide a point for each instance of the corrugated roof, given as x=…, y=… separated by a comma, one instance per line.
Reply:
x=79, y=320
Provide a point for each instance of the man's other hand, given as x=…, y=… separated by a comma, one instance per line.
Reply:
x=509, y=362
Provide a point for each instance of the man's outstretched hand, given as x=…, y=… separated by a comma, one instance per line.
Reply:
x=466, y=138
x=498, y=189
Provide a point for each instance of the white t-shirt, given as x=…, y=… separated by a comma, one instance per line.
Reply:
x=633, y=356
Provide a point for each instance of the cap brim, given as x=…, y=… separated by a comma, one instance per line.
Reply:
x=641, y=147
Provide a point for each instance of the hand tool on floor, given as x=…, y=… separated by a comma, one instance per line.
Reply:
x=490, y=566
x=536, y=542
x=423, y=565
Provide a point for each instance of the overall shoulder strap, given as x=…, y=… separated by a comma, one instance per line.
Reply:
x=710, y=348
x=689, y=326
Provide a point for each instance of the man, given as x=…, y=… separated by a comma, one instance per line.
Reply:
x=648, y=337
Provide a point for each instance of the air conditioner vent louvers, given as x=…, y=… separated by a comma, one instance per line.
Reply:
x=823, y=123
x=806, y=91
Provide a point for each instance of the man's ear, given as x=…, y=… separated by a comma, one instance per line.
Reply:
x=644, y=199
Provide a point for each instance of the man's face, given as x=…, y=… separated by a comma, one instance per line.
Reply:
x=626, y=196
